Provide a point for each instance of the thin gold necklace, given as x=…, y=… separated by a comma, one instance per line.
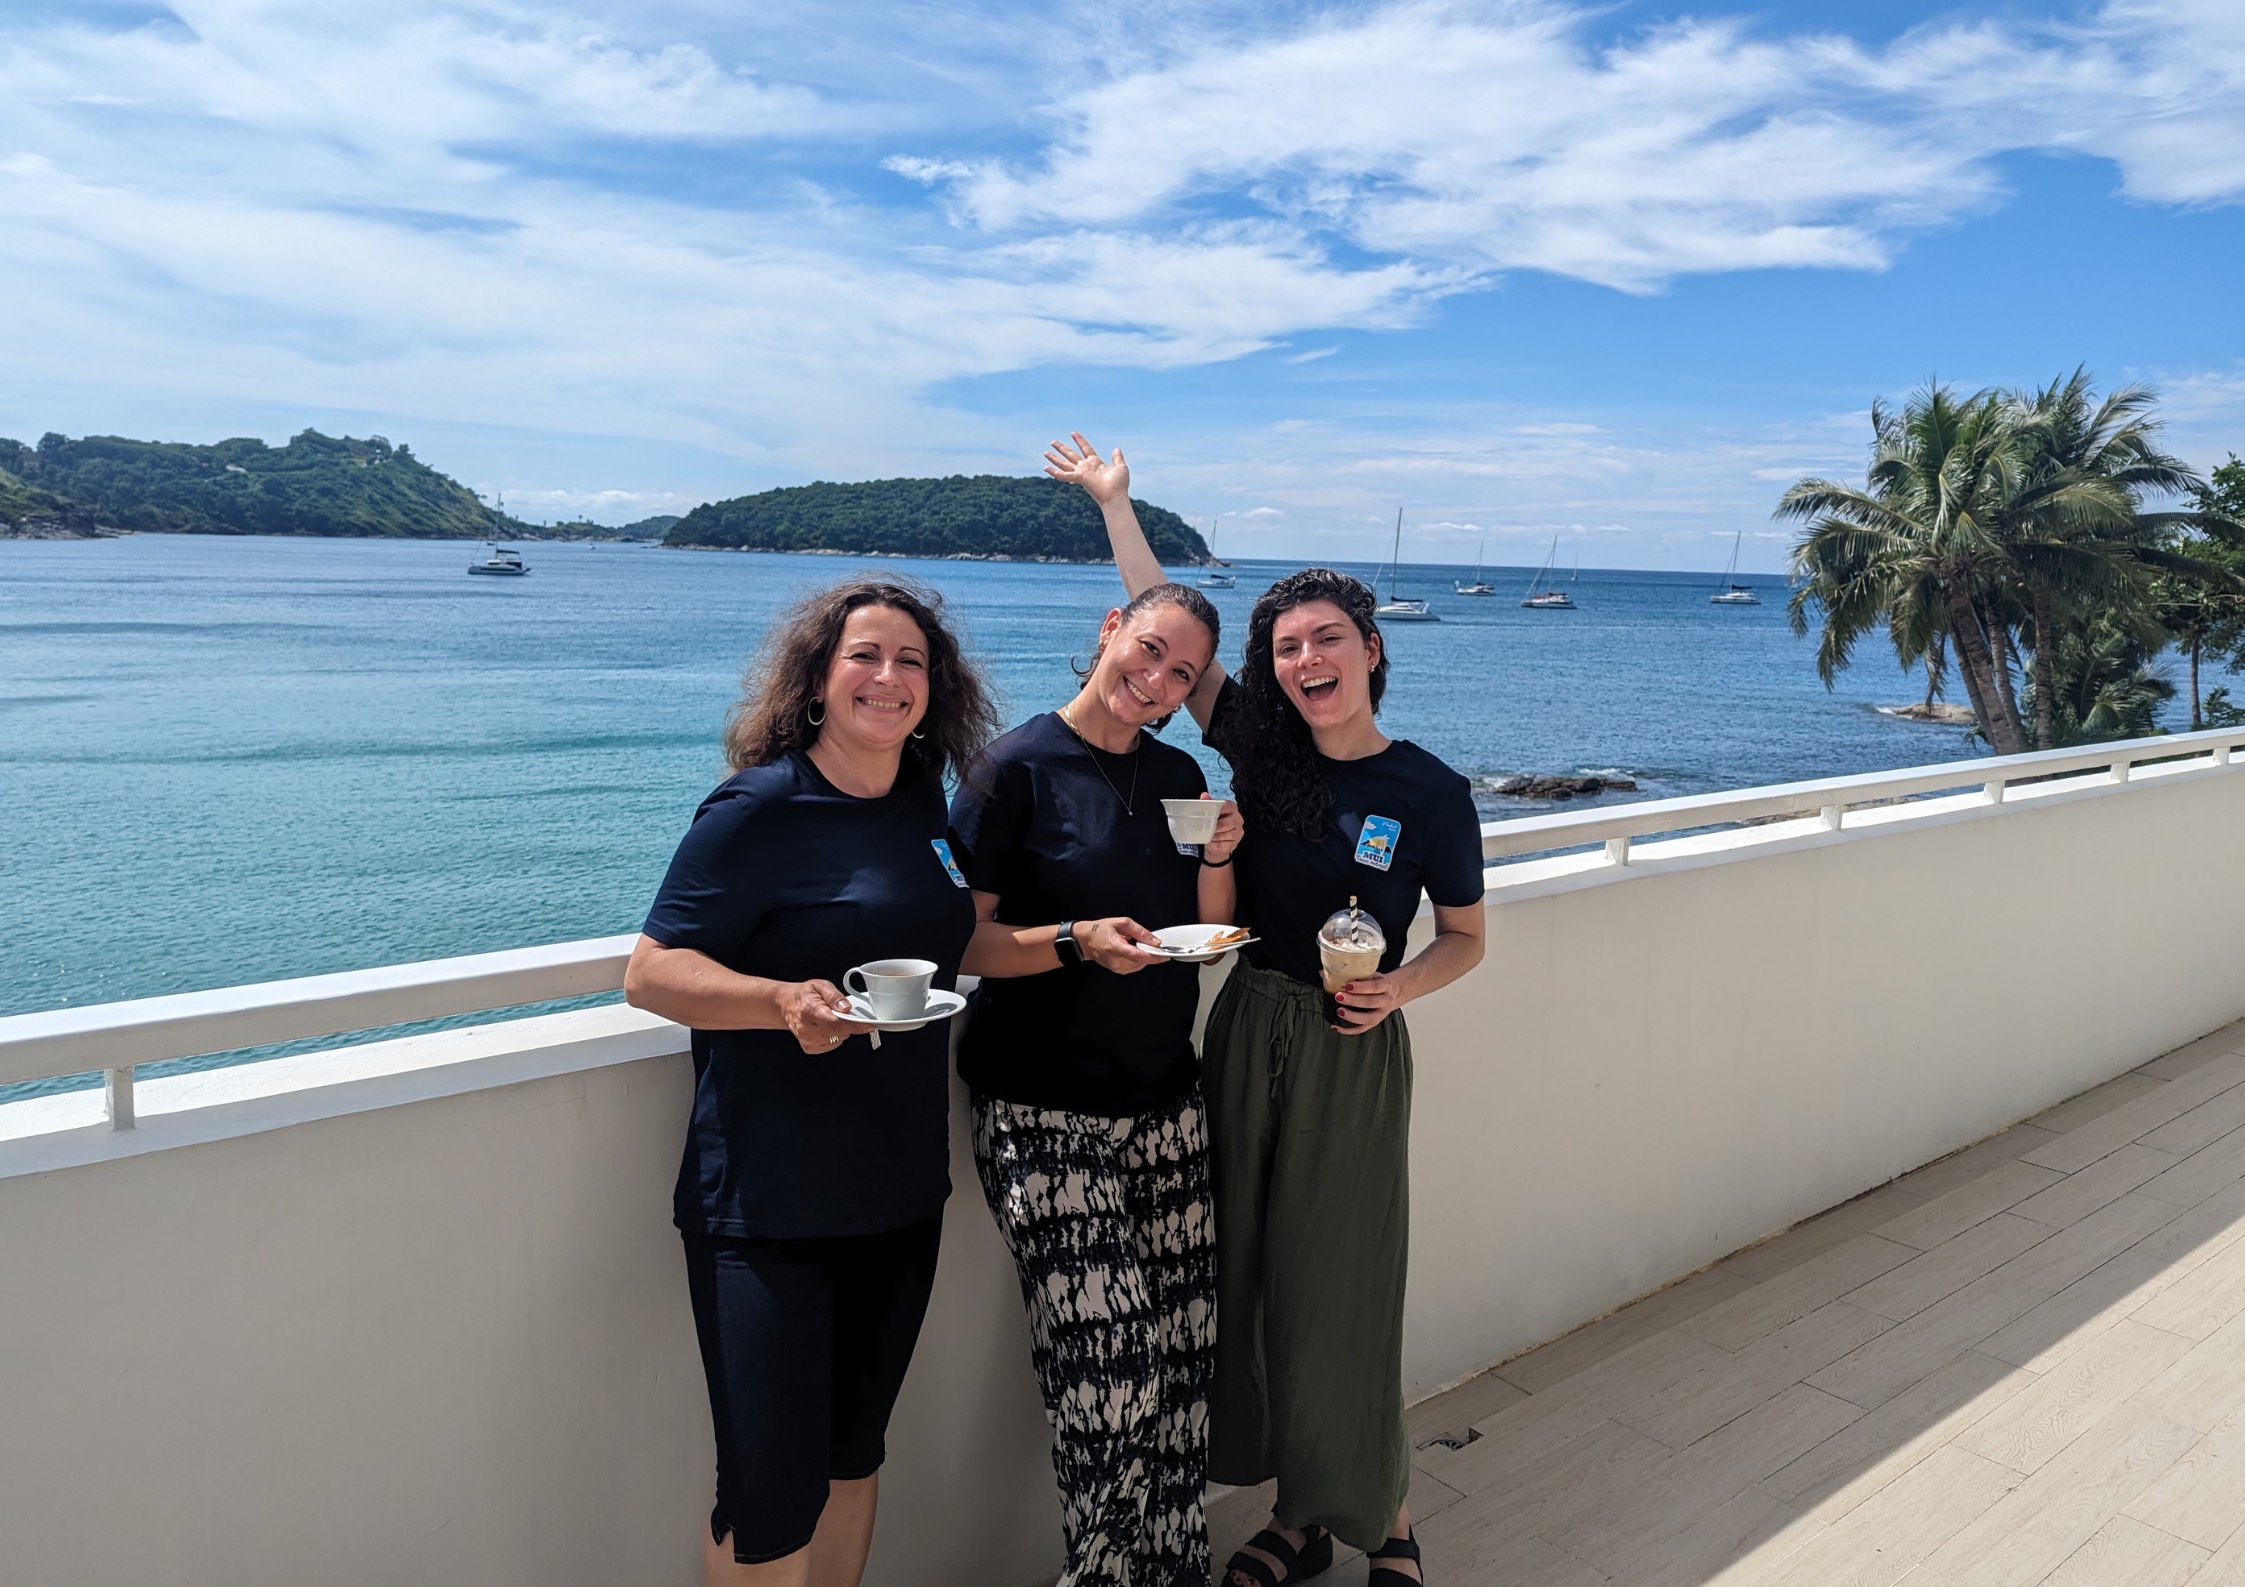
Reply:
x=1129, y=803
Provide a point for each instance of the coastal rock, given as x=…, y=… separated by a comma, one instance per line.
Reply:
x=1940, y=711
x=1529, y=787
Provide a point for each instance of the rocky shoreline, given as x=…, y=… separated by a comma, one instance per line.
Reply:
x=59, y=526
x=1558, y=788
x=1941, y=712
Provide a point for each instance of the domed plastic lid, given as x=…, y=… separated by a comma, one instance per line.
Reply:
x=1353, y=928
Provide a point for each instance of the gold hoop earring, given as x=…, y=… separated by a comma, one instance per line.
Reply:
x=818, y=720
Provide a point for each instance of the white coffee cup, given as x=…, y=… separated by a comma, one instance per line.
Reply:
x=1192, y=820
x=892, y=988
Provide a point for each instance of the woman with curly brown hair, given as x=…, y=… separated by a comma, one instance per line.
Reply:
x=811, y=1191
x=1310, y=1109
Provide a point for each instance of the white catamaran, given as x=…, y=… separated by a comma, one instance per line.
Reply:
x=1553, y=599
x=1401, y=608
x=1734, y=593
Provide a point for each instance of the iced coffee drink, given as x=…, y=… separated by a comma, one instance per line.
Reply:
x=1349, y=946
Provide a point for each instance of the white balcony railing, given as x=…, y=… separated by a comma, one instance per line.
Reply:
x=114, y=1038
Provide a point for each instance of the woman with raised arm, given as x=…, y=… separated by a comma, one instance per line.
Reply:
x=1090, y=1135
x=1309, y=1115
x=812, y=1187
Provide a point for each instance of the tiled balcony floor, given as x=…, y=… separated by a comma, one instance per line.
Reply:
x=2023, y=1364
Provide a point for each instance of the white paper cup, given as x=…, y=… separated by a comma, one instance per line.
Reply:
x=892, y=988
x=1192, y=820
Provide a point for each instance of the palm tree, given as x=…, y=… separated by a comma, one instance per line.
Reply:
x=2077, y=536
x=1918, y=547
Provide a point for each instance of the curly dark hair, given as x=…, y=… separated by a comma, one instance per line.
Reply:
x=1275, y=770
x=773, y=713
x=1187, y=600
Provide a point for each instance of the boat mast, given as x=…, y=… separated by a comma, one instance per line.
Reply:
x=1395, y=556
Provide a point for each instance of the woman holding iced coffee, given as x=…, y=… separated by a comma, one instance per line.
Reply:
x=1090, y=1135
x=1309, y=1101
x=811, y=1192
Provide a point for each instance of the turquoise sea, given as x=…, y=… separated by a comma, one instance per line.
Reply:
x=227, y=760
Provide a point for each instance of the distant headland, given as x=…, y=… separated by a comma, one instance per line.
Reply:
x=101, y=485
x=979, y=517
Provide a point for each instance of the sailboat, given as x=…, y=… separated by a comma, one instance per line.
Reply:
x=1734, y=593
x=1214, y=578
x=1480, y=585
x=1400, y=608
x=1554, y=599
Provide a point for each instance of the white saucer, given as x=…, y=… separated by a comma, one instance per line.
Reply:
x=940, y=1005
x=1189, y=944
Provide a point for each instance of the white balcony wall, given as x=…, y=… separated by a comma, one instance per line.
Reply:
x=428, y=1326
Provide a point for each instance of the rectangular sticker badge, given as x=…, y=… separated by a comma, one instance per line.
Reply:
x=1375, y=845
x=943, y=853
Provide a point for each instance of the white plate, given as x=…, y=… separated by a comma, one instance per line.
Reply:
x=940, y=1005
x=1189, y=944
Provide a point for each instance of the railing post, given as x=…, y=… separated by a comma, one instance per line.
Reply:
x=2120, y=771
x=117, y=1098
x=1832, y=816
x=1993, y=792
x=1617, y=851
x=2221, y=754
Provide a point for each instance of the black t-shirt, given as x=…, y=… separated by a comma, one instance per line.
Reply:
x=1040, y=821
x=784, y=875
x=1402, y=823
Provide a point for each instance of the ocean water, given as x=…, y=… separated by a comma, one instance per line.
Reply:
x=229, y=760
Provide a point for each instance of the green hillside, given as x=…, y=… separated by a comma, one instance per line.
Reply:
x=983, y=515
x=315, y=485
x=19, y=501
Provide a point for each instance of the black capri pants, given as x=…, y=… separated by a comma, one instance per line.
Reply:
x=804, y=1344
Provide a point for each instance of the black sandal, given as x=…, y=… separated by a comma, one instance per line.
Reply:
x=1313, y=1558
x=1405, y=1547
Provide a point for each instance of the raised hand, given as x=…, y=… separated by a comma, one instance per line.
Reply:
x=1080, y=465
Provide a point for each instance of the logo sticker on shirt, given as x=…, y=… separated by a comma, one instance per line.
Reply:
x=1375, y=845
x=943, y=853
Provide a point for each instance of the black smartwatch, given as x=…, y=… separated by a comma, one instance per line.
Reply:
x=1064, y=944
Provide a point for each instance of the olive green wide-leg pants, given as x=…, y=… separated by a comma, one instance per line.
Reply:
x=1309, y=1135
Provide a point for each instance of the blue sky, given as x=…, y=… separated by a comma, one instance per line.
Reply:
x=1616, y=274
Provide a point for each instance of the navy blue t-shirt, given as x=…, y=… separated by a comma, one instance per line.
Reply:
x=1040, y=820
x=784, y=875
x=1402, y=823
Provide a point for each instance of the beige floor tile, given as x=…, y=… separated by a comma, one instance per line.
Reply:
x=2227, y=1567
x=1861, y=1459
x=1518, y=1439
x=1486, y=1551
x=2132, y=1120
x=1725, y=1390
x=1590, y=1344
x=1797, y=1291
x=2174, y=1065
x=1814, y=1236
x=1940, y=1177
x=2071, y=1254
x=1455, y=1410
x=2106, y=1180
x=1921, y=1577
x=1429, y=1496
x=1713, y=1548
x=1874, y=1373
x=2203, y=1231
x=2080, y=1312
x=1605, y=1466
x=2206, y=1386
x=2031, y=1530
x=1945, y=1217
x=2096, y=1101
x=2209, y=1168
x=2031, y=1428
x=1939, y=1273
x=1877, y=1543
x=2200, y=1302
x=1693, y=1482
x=2202, y=1126
x=2127, y=1553
x=2202, y=1496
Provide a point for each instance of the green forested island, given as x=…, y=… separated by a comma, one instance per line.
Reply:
x=315, y=485
x=982, y=516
